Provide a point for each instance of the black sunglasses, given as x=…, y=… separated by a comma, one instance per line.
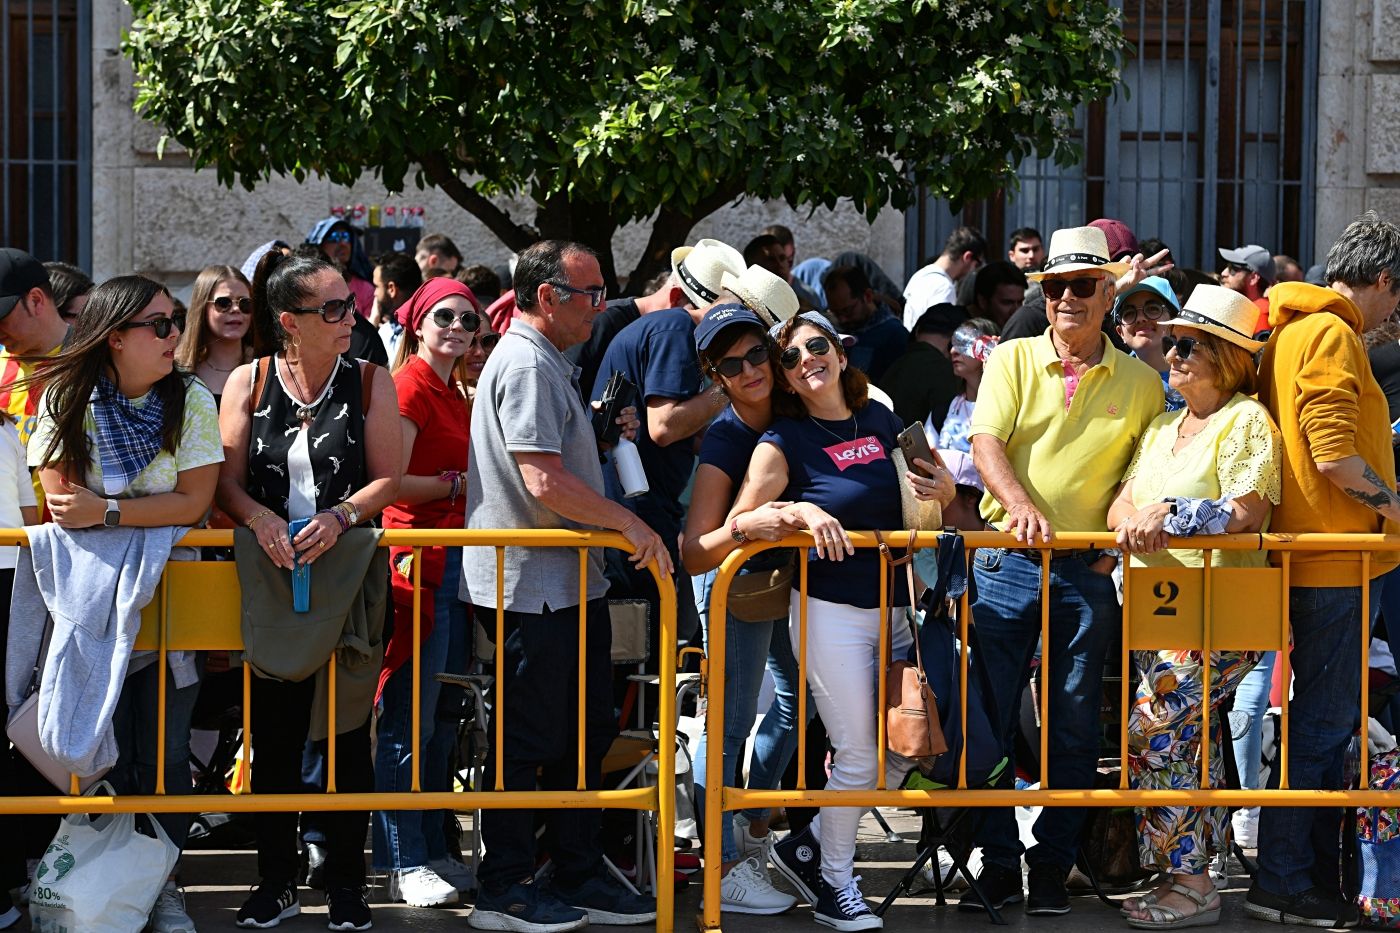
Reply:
x=161, y=325
x=488, y=341
x=817, y=346
x=1183, y=345
x=332, y=312
x=1236, y=267
x=1152, y=311
x=1082, y=288
x=225, y=304
x=597, y=294
x=731, y=366
x=443, y=317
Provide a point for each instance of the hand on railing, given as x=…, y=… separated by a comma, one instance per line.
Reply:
x=1025, y=522
x=1142, y=532
x=647, y=546
x=770, y=522
x=830, y=539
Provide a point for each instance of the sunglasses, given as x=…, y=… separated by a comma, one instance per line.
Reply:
x=1182, y=345
x=817, y=346
x=597, y=294
x=1152, y=311
x=332, y=312
x=731, y=366
x=225, y=303
x=487, y=341
x=338, y=236
x=1234, y=268
x=161, y=325
x=443, y=317
x=1082, y=288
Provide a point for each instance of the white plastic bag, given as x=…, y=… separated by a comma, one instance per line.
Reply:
x=99, y=875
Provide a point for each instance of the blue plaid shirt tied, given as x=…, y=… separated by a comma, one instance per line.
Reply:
x=128, y=437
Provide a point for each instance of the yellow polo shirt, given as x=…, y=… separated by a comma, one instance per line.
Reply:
x=1070, y=460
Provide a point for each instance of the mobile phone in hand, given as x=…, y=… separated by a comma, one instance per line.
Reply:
x=914, y=442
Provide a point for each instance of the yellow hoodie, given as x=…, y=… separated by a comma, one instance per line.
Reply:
x=1316, y=381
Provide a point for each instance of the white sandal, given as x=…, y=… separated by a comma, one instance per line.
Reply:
x=1169, y=918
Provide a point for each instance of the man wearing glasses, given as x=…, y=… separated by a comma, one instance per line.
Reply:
x=1057, y=418
x=1249, y=270
x=1142, y=314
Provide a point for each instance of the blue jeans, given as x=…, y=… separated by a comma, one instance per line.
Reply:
x=1084, y=616
x=1252, y=701
x=1294, y=842
x=409, y=838
x=134, y=723
x=748, y=648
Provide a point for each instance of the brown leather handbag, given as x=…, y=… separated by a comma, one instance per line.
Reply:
x=912, y=727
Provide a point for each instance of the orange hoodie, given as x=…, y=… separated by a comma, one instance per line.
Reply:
x=1316, y=381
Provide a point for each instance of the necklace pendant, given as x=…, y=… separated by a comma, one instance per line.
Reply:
x=306, y=414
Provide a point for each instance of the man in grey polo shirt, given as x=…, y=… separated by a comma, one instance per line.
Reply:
x=534, y=464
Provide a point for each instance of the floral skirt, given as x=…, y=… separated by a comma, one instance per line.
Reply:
x=1164, y=752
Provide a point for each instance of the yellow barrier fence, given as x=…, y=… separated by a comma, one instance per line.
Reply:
x=198, y=608
x=1203, y=609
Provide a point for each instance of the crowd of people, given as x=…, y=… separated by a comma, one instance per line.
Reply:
x=1081, y=384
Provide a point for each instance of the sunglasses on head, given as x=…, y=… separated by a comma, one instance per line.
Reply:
x=225, y=304
x=731, y=366
x=443, y=317
x=338, y=236
x=1182, y=345
x=817, y=346
x=332, y=312
x=1152, y=311
x=1081, y=288
x=161, y=325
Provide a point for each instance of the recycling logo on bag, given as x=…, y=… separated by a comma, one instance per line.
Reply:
x=61, y=866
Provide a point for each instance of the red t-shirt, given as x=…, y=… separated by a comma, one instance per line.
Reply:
x=444, y=432
x=1263, y=322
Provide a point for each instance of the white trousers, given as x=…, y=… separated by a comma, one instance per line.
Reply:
x=843, y=670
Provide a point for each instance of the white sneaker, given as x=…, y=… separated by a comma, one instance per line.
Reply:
x=747, y=890
x=420, y=887
x=1246, y=826
x=953, y=880
x=168, y=916
x=748, y=845
x=455, y=873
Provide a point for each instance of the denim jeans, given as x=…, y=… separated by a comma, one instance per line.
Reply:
x=1084, y=616
x=1252, y=701
x=748, y=648
x=405, y=839
x=1298, y=845
x=134, y=723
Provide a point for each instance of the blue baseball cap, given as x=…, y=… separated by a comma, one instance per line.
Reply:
x=721, y=316
x=1153, y=283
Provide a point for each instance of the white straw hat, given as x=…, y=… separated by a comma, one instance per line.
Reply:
x=763, y=292
x=1223, y=312
x=1075, y=249
x=700, y=268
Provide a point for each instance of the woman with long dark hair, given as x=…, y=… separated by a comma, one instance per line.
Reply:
x=125, y=438
x=218, y=337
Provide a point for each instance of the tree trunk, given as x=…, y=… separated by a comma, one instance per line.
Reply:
x=671, y=229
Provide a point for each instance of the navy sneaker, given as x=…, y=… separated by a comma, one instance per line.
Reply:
x=798, y=857
x=523, y=908
x=1046, y=894
x=1314, y=907
x=845, y=910
x=999, y=885
x=604, y=900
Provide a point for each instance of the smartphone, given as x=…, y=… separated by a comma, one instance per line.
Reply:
x=914, y=442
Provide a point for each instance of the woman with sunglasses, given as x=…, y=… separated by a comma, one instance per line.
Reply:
x=1143, y=315
x=735, y=351
x=219, y=337
x=1214, y=467
x=306, y=447
x=442, y=327
x=969, y=348
x=828, y=453
x=125, y=438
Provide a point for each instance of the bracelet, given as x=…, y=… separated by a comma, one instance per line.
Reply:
x=734, y=532
x=257, y=517
x=339, y=519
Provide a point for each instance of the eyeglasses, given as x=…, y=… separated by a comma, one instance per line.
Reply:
x=332, y=312
x=597, y=294
x=224, y=304
x=487, y=341
x=817, y=346
x=338, y=236
x=1183, y=346
x=161, y=325
x=731, y=366
x=1081, y=288
x=443, y=317
x=1152, y=311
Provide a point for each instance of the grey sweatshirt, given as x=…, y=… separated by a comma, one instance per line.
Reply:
x=94, y=582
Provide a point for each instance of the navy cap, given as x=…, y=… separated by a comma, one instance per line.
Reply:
x=19, y=272
x=718, y=318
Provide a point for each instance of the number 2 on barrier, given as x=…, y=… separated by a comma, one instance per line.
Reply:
x=1165, y=592
x=1165, y=608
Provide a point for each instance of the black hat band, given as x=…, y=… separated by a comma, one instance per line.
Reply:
x=1090, y=258
x=1196, y=317
x=689, y=279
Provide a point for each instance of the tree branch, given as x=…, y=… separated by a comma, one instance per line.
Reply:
x=670, y=230
x=510, y=233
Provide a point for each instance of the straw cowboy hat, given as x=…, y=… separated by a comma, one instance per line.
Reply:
x=700, y=268
x=763, y=292
x=1075, y=249
x=1223, y=312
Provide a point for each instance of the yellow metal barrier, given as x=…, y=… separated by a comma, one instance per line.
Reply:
x=198, y=607
x=1208, y=608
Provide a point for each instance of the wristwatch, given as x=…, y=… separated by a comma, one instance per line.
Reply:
x=734, y=532
x=113, y=518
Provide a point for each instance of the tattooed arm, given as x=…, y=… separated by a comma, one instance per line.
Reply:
x=1354, y=476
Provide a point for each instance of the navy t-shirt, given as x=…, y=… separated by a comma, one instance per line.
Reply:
x=844, y=468
x=657, y=353
x=728, y=446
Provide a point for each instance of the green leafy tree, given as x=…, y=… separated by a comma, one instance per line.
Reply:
x=603, y=112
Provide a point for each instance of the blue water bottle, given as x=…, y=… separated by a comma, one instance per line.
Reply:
x=301, y=574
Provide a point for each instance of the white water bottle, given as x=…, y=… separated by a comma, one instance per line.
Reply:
x=629, y=469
